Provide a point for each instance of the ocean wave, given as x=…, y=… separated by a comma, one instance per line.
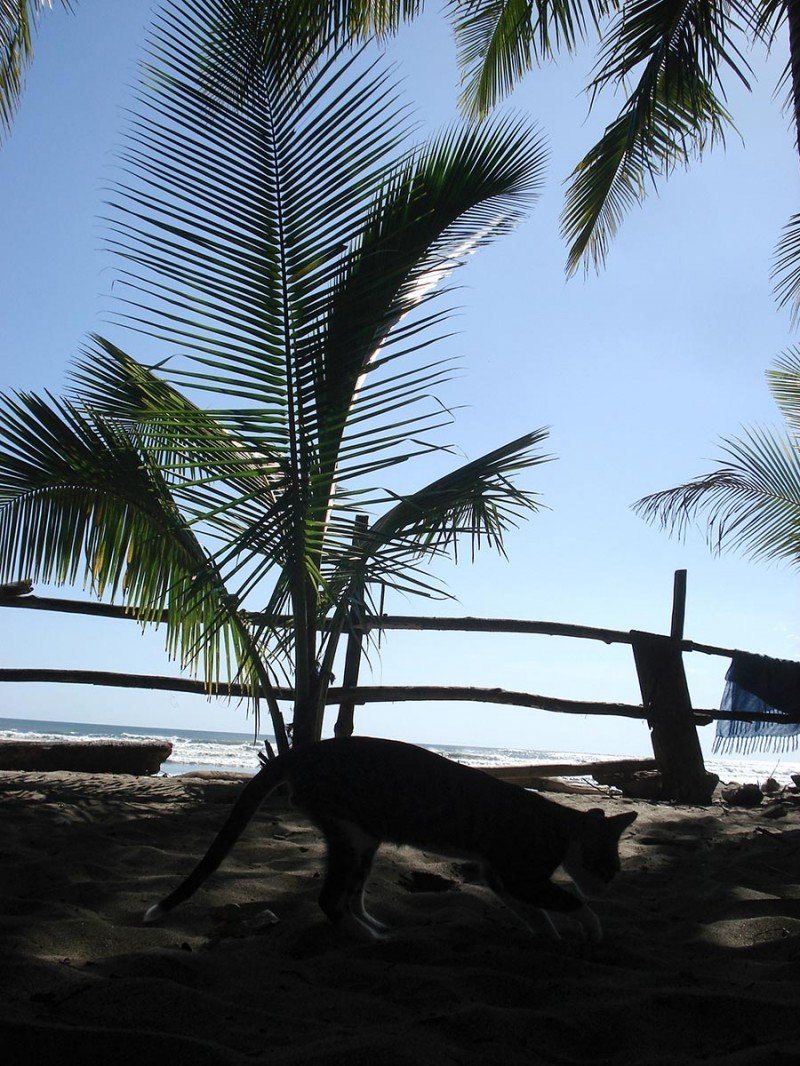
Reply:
x=206, y=750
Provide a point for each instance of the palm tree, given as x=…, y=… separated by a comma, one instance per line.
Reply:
x=751, y=501
x=286, y=247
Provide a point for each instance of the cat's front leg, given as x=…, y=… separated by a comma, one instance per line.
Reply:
x=538, y=922
x=557, y=909
x=563, y=925
x=359, y=911
x=586, y=917
x=534, y=919
x=589, y=922
x=582, y=920
x=360, y=929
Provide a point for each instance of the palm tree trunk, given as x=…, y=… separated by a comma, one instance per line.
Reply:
x=307, y=725
x=278, y=725
x=307, y=719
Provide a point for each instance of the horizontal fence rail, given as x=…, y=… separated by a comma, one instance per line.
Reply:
x=375, y=622
x=364, y=694
x=361, y=694
x=18, y=595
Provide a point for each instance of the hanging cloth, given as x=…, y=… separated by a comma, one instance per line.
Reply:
x=756, y=684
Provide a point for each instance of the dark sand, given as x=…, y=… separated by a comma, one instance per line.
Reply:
x=701, y=960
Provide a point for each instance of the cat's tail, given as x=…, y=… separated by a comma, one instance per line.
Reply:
x=272, y=774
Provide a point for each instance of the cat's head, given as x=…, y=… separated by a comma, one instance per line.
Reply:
x=592, y=860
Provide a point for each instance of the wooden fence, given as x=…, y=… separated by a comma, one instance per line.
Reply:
x=666, y=704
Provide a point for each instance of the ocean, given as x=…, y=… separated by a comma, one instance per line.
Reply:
x=197, y=749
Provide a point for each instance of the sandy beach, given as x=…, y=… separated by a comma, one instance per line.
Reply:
x=700, y=963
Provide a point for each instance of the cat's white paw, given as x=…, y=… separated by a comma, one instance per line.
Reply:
x=373, y=922
x=361, y=930
x=545, y=923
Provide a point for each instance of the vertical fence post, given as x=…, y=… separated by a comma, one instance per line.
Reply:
x=668, y=706
x=678, y=605
x=355, y=639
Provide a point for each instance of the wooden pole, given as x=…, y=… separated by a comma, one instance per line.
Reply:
x=678, y=605
x=352, y=659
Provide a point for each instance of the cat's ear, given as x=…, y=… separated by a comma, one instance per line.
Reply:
x=618, y=823
x=621, y=822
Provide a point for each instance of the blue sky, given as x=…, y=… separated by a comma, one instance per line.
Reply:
x=638, y=372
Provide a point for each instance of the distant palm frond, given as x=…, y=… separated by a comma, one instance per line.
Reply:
x=499, y=41
x=751, y=501
x=677, y=51
x=18, y=21
x=786, y=268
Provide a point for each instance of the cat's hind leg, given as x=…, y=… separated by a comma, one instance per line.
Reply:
x=349, y=858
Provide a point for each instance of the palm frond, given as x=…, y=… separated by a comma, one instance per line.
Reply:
x=346, y=19
x=189, y=441
x=236, y=217
x=750, y=503
x=683, y=42
x=479, y=500
x=784, y=383
x=499, y=41
x=18, y=22
x=675, y=111
x=226, y=483
x=496, y=47
x=80, y=499
x=786, y=268
x=766, y=19
x=449, y=199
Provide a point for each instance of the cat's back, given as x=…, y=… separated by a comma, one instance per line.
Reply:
x=361, y=764
x=401, y=792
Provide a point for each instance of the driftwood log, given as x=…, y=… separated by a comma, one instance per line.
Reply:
x=85, y=756
x=546, y=777
x=649, y=785
x=635, y=778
